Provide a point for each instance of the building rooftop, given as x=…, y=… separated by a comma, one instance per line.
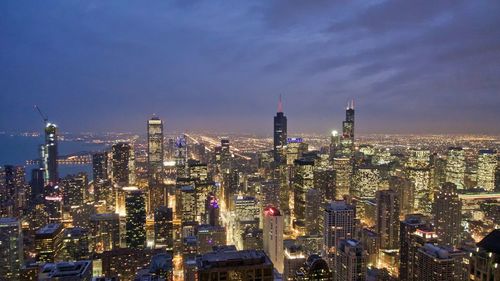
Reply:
x=64, y=269
x=491, y=243
x=8, y=222
x=49, y=229
x=229, y=257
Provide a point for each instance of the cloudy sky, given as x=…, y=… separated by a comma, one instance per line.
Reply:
x=411, y=66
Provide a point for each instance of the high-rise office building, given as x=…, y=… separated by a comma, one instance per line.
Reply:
x=455, y=166
x=226, y=263
x=104, y=232
x=338, y=224
x=387, y=225
x=486, y=168
x=293, y=260
x=209, y=236
x=164, y=228
x=448, y=215
x=49, y=154
x=303, y=181
x=347, y=138
x=273, y=236
x=123, y=164
x=155, y=151
x=417, y=239
x=48, y=242
x=36, y=183
x=406, y=229
x=436, y=263
x=212, y=210
x=11, y=248
x=188, y=203
x=136, y=218
x=351, y=261
x=74, y=189
x=343, y=177
x=100, y=166
x=280, y=133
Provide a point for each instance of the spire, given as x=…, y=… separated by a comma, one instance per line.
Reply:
x=280, y=105
x=352, y=104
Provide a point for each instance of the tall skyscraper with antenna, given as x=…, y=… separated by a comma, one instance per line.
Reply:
x=347, y=139
x=280, y=133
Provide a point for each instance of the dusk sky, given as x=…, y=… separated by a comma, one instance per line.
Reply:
x=410, y=66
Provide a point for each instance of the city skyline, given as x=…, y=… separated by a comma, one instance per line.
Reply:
x=411, y=68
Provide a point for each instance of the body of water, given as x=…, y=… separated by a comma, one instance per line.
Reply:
x=16, y=150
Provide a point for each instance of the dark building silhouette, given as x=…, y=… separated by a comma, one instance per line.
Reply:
x=280, y=133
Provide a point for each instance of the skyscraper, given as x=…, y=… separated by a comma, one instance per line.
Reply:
x=104, y=232
x=164, y=227
x=455, y=166
x=123, y=164
x=11, y=248
x=436, y=263
x=338, y=224
x=347, y=139
x=302, y=183
x=155, y=150
x=387, y=225
x=100, y=166
x=351, y=261
x=280, y=133
x=448, y=215
x=49, y=154
x=486, y=168
x=406, y=229
x=136, y=218
x=273, y=236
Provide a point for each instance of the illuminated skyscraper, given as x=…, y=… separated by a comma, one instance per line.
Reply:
x=104, y=232
x=347, y=139
x=123, y=164
x=415, y=240
x=387, y=225
x=280, y=133
x=302, y=183
x=188, y=204
x=11, y=248
x=212, y=210
x=294, y=259
x=155, y=150
x=448, y=215
x=338, y=224
x=486, y=168
x=49, y=154
x=273, y=236
x=455, y=166
x=351, y=261
x=436, y=263
x=163, y=218
x=100, y=166
x=136, y=218
x=406, y=229
x=343, y=175
x=48, y=242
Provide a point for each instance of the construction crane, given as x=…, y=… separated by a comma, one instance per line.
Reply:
x=44, y=117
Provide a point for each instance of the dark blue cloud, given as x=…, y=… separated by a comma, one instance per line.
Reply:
x=424, y=66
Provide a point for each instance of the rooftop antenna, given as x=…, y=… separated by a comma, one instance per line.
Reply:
x=44, y=117
x=280, y=105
